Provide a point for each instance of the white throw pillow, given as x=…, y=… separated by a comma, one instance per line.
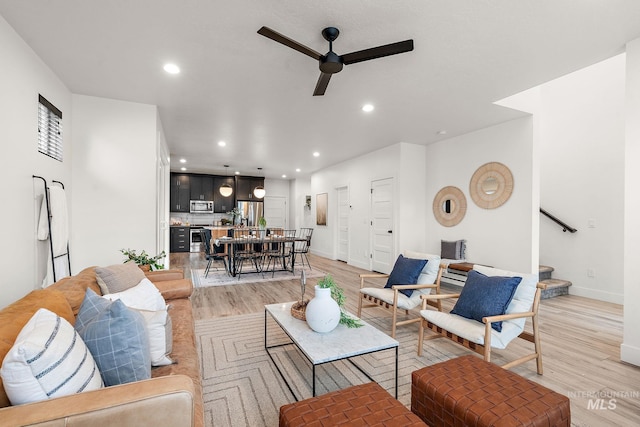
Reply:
x=147, y=299
x=159, y=340
x=47, y=360
x=143, y=296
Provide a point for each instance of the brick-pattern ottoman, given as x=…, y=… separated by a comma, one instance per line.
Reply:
x=361, y=405
x=469, y=391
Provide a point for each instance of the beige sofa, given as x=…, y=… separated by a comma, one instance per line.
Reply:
x=172, y=397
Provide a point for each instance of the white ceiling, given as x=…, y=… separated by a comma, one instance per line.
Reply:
x=256, y=94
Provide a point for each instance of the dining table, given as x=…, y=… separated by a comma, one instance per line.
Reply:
x=259, y=239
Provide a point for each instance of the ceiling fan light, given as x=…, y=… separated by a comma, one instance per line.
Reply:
x=226, y=190
x=259, y=192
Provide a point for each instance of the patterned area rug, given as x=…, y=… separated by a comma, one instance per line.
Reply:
x=242, y=387
x=221, y=278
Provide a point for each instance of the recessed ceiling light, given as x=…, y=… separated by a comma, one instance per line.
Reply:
x=183, y=160
x=316, y=154
x=284, y=176
x=442, y=132
x=367, y=108
x=222, y=143
x=171, y=68
x=237, y=172
x=297, y=169
x=183, y=169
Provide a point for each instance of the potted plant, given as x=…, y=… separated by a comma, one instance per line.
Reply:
x=144, y=260
x=337, y=294
x=262, y=223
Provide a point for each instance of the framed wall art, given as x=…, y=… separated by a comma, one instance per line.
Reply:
x=322, y=201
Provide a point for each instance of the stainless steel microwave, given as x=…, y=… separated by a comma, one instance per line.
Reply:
x=201, y=206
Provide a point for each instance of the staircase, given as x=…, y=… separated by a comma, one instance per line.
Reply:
x=555, y=287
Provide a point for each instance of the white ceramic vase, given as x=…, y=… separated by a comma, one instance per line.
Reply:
x=323, y=312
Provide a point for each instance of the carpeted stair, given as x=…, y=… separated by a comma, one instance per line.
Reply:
x=555, y=287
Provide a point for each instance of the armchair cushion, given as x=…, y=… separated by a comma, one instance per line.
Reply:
x=386, y=295
x=484, y=296
x=406, y=272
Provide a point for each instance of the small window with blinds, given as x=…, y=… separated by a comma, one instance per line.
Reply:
x=49, y=129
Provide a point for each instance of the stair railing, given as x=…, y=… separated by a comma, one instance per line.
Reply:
x=565, y=227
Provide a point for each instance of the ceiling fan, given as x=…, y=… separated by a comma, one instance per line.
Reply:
x=331, y=63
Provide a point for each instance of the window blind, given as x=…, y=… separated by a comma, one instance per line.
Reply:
x=49, y=129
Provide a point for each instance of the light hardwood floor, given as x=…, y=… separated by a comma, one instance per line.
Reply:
x=580, y=339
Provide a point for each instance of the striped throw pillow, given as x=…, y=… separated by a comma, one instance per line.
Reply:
x=47, y=360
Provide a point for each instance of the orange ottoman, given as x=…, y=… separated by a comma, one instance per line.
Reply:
x=469, y=391
x=361, y=405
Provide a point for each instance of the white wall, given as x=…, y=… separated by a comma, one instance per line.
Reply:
x=24, y=76
x=630, y=348
x=300, y=216
x=114, y=175
x=404, y=164
x=582, y=178
x=499, y=237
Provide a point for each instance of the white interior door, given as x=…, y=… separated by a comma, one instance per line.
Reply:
x=275, y=211
x=343, y=224
x=382, y=251
x=162, y=180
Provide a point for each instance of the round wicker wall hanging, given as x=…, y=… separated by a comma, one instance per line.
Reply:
x=491, y=185
x=449, y=206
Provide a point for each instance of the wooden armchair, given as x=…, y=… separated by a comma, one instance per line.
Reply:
x=481, y=337
x=393, y=300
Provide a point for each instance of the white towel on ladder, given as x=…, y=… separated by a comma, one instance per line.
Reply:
x=59, y=233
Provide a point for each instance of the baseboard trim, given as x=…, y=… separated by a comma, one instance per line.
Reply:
x=630, y=354
x=596, y=294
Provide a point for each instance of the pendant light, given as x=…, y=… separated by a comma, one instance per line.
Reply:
x=259, y=191
x=225, y=189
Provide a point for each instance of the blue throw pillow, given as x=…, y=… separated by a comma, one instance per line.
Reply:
x=484, y=296
x=405, y=272
x=116, y=337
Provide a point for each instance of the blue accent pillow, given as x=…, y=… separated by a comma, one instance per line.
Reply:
x=405, y=272
x=484, y=296
x=116, y=337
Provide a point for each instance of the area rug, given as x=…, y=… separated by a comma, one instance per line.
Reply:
x=221, y=278
x=242, y=387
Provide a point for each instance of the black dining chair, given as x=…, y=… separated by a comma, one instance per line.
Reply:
x=302, y=244
x=278, y=249
x=213, y=252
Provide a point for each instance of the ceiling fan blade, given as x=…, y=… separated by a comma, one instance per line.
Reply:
x=321, y=86
x=378, y=52
x=274, y=35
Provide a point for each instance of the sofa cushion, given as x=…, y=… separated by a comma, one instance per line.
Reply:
x=484, y=296
x=16, y=315
x=75, y=287
x=453, y=249
x=48, y=360
x=143, y=296
x=405, y=272
x=117, y=338
x=118, y=277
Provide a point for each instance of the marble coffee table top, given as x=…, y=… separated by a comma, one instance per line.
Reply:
x=341, y=343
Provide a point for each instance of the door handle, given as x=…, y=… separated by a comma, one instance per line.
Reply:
x=390, y=231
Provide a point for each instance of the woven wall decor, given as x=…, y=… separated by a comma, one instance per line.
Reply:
x=449, y=206
x=491, y=185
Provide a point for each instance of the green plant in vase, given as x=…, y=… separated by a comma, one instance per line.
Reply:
x=144, y=260
x=262, y=223
x=337, y=293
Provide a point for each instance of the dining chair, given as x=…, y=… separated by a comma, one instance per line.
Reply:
x=246, y=248
x=213, y=252
x=279, y=249
x=301, y=247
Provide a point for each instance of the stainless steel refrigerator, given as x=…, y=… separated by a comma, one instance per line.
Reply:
x=251, y=212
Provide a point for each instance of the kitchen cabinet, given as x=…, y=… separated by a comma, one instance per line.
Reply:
x=245, y=186
x=201, y=187
x=179, y=192
x=179, y=239
x=223, y=204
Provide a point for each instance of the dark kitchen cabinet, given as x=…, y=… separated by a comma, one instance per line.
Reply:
x=223, y=204
x=179, y=192
x=179, y=239
x=245, y=186
x=201, y=187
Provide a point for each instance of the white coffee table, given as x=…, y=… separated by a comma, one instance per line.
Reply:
x=341, y=343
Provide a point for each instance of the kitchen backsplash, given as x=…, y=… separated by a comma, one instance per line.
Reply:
x=197, y=219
